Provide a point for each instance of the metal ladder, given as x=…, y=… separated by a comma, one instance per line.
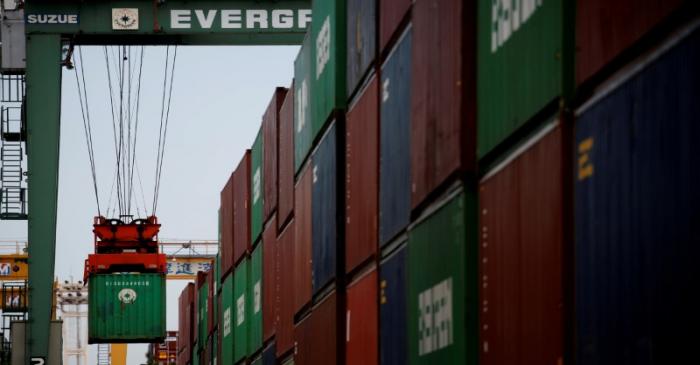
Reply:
x=13, y=192
x=103, y=354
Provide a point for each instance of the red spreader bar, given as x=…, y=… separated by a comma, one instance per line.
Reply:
x=125, y=262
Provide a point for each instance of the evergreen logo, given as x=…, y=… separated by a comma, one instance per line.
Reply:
x=127, y=296
x=125, y=19
x=435, y=318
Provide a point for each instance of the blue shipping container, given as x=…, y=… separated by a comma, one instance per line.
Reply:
x=323, y=210
x=361, y=32
x=395, y=145
x=392, y=309
x=268, y=356
x=637, y=218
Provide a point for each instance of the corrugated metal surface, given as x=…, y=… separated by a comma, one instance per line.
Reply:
x=203, y=300
x=442, y=294
x=325, y=335
x=269, y=276
x=520, y=65
x=303, y=337
x=362, y=331
x=285, y=193
x=270, y=126
x=228, y=316
x=606, y=28
x=392, y=309
x=361, y=167
x=362, y=40
x=241, y=315
x=302, y=239
x=241, y=208
x=220, y=328
x=199, y=282
x=395, y=146
x=185, y=318
x=637, y=229
x=226, y=226
x=254, y=297
x=256, y=188
x=391, y=12
x=285, y=292
x=210, y=303
x=268, y=355
x=328, y=60
x=303, y=130
x=126, y=307
x=521, y=245
x=324, y=210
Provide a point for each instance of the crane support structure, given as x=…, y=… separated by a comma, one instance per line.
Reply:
x=52, y=24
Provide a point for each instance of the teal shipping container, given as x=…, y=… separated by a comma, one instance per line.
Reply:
x=241, y=318
x=228, y=312
x=303, y=134
x=256, y=188
x=254, y=298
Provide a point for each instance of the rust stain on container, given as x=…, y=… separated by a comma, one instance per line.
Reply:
x=302, y=240
x=269, y=282
x=285, y=292
x=226, y=217
x=362, y=329
x=391, y=12
x=270, y=126
x=241, y=208
x=285, y=193
x=362, y=180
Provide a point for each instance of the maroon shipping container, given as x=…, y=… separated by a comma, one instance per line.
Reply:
x=226, y=217
x=303, y=337
x=270, y=126
x=285, y=292
x=521, y=247
x=185, y=319
x=362, y=177
x=443, y=94
x=302, y=240
x=285, y=194
x=210, y=302
x=362, y=332
x=391, y=13
x=606, y=28
x=324, y=331
x=269, y=278
x=241, y=208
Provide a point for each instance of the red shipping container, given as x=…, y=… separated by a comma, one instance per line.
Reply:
x=521, y=247
x=285, y=194
x=362, y=177
x=185, y=318
x=269, y=277
x=303, y=337
x=443, y=94
x=325, y=332
x=241, y=208
x=210, y=302
x=362, y=332
x=270, y=126
x=285, y=292
x=226, y=217
x=302, y=240
x=391, y=13
x=604, y=29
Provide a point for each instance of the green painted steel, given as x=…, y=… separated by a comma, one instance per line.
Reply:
x=195, y=358
x=241, y=317
x=303, y=137
x=228, y=310
x=202, y=319
x=255, y=338
x=442, y=292
x=328, y=61
x=256, y=186
x=43, y=125
x=519, y=67
x=126, y=307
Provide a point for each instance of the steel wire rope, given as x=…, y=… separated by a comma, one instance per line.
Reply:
x=114, y=122
x=136, y=129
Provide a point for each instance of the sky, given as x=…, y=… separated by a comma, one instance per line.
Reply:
x=219, y=97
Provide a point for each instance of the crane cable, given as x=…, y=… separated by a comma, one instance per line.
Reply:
x=164, y=118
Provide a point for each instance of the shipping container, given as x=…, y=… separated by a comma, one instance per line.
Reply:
x=285, y=193
x=215, y=347
x=126, y=308
x=522, y=220
x=202, y=316
x=361, y=42
x=302, y=239
x=395, y=136
x=210, y=303
x=268, y=355
x=605, y=29
x=520, y=57
x=392, y=308
x=228, y=314
x=328, y=63
x=226, y=227
x=257, y=361
x=361, y=179
x=254, y=304
x=269, y=280
x=442, y=279
x=324, y=211
x=241, y=208
x=304, y=342
x=242, y=316
x=636, y=203
x=186, y=318
x=326, y=332
x=220, y=329
x=362, y=331
x=303, y=129
x=217, y=272
x=256, y=187
x=285, y=293
x=270, y=163
x=391, y=14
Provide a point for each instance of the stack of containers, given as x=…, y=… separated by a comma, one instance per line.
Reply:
x=186, y=316
x=202, y=315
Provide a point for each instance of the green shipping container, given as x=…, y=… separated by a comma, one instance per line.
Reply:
x=126, y=308
x=328, y=60
x=302, y=100
x=254, y=304
x=256, y=184
x=520, y=49
x=240, y=320
x=442, y=292
x=228, y=312
x=202, y=324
